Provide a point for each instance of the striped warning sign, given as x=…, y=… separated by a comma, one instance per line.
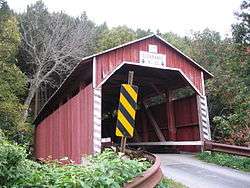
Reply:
x=126, y=110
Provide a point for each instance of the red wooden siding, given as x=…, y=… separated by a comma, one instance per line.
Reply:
x=143, y=125
x=186, y=112
x=67, y=131
x=185, y=118
x=186, y=122
x=107, y=62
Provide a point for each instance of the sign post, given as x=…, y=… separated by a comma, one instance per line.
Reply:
x=126, y=111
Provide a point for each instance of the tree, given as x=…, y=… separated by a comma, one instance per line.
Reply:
x=53, y=43
x=12, y=80
x=109, y=38
x=241, y=36
x=241, y=30
x=182, y=43
x=228, y=93
x=115, y=36
x=206, y=48
x=142, y=33
x=5, y=10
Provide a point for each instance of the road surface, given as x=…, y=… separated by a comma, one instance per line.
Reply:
x=186, y=169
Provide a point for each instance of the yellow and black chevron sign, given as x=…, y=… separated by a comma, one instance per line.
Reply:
x=126, y=110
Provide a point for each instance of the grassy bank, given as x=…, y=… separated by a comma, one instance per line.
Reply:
x=223, y=159
x=169, y=183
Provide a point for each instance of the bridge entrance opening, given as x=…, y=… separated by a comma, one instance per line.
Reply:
x=167, y=112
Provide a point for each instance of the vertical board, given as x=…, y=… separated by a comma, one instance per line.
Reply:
x=67, y=132
x=186, y=122
x=97, y=120
x=61, y=132
x=186, y=111
x=170, y=116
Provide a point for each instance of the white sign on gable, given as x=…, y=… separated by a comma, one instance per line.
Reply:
x=153, y=59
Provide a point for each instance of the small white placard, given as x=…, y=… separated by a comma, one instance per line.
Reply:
x=152, y=48
x=106, y=139
x=153, y=59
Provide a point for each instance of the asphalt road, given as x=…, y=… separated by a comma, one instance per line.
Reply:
x=186, y=169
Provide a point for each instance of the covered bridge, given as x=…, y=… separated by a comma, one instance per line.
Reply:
x=172, y=108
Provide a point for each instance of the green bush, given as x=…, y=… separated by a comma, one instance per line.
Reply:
x=104, y=170
x=223, y=159
x=13, y=163
x=231, y=130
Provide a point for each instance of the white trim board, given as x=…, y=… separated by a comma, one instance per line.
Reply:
x=94, y=72
x=143, y=65
x=147, y=37
x=168, y=143
x=110, y=74
x=97, y=119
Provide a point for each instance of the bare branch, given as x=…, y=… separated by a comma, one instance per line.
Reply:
x=55, y=43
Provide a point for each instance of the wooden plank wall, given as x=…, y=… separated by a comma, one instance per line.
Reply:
x=185, y=118
x=186, y=122
x=68, y=131
x=144, y=127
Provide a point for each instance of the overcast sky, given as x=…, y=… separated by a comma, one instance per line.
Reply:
x=178, y=16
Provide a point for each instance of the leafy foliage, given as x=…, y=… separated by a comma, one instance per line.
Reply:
x=232, y=161
x=228, y=92
x=115, y=36
x=104, y=170
x=230, y=96
x=12, y=80
x=182, y=43
x=13, y=164
x=241, y=30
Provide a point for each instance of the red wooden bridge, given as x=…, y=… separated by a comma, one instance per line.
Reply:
x=172, y=108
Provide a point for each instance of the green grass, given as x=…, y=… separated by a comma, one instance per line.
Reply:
x=169, y=183
x=223, y=159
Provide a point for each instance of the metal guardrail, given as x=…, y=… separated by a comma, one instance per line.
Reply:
x=151, y=177
x=232, y=149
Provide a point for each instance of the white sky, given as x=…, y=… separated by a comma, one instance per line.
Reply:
x=178, y=16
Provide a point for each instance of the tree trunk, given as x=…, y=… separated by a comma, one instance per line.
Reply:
x=27, y=102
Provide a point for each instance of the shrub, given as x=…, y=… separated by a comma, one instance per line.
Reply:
x=230, y=130
x=13, y=163
x=223, y=159
x=104, y=170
